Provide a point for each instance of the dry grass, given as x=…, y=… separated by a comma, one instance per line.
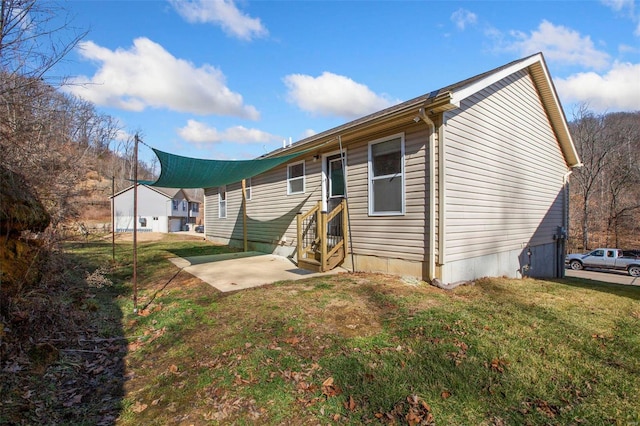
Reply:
x=370, y=348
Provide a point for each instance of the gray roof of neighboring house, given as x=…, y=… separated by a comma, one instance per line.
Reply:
x=192, y=195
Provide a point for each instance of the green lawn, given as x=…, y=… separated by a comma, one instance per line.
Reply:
x=368, y=348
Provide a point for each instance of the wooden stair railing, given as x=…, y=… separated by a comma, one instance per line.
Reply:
x=322, y=237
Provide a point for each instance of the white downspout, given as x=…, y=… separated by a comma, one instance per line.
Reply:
x=442, y=220
x=565, y=188
x=432, y=193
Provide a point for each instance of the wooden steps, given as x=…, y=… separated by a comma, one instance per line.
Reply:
x=314, y=264
x=322, y=238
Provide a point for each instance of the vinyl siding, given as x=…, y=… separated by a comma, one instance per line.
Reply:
x=504, y=172
x=272, y=213
x=401, y=237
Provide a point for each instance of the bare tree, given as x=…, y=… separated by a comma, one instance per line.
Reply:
x=606, y=190
x=623, y=174
x=594, y=149
x=34, y=36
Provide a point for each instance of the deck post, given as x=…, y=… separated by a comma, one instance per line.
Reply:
x=323, y=241
x=299, y=236
x=244, y=215
x=345, y=225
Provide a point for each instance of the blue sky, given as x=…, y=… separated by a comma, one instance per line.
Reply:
x=232, y=80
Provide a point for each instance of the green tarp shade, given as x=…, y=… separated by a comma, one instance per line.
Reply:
x=177, y=171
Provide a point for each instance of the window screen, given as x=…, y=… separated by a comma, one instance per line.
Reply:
x=295, y=178
x=386, y=177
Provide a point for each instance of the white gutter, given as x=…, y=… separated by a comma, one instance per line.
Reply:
x=432, y=193
x=442, y=221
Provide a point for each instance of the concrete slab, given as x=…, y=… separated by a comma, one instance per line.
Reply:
x=236, y=271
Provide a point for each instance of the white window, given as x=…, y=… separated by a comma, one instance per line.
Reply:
x=247, y=188
x=386, y=176
x=184, y=206
x=222, y=202
x=295, y=178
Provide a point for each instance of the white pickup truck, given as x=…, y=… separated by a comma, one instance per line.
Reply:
x=605, y=258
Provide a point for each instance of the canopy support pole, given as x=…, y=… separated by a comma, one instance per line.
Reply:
x=135, y=224
x=113, y=219
x=244, y=214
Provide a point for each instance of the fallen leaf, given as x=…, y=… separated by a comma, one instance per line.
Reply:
x=138, y=407
x=292, y=340
x=173, y=368
x=328, y=382
x=445, y=395
x=351, y=404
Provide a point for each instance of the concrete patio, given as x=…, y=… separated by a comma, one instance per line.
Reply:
x=237, y=271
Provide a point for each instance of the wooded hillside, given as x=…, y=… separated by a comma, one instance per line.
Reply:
x=605, y=192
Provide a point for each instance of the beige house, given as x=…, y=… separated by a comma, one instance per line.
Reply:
x=463, y=182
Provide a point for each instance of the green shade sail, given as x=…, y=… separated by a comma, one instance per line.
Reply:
x=177, y=171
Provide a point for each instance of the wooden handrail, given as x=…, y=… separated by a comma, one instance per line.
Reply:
x=335, y=249
x=314, y=209
x=321, y=240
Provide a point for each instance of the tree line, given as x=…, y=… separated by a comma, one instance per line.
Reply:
x=605, y=191
x=53, y=140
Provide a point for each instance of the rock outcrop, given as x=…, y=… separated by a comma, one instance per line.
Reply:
x=21, y=216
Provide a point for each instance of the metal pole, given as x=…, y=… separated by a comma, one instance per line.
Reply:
x=346, y=198
x=135, y=225
x=113, y=218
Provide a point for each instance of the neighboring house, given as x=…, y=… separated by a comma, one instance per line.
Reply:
x=463, y=182
x=159, y=209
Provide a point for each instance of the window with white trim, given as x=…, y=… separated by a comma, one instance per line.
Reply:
x=386, y=176
x=295, y=178
x=222, y=202
x=247, y=187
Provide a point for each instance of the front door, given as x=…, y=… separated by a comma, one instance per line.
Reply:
x=335, y=181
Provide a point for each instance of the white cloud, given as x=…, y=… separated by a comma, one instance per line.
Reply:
x=333, y=95
x=463, y=17
x=559, y=44
x=625, y=48
x=619, y=5
x=198, y=132
x=625, y=7
x=617, y=90
x=308, y=133
x=148, y=76
x=223, y=13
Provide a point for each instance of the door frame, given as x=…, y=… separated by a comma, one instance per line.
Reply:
x=325, y=175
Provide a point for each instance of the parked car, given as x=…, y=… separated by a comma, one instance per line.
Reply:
x=605, y=258
x=199, y=228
